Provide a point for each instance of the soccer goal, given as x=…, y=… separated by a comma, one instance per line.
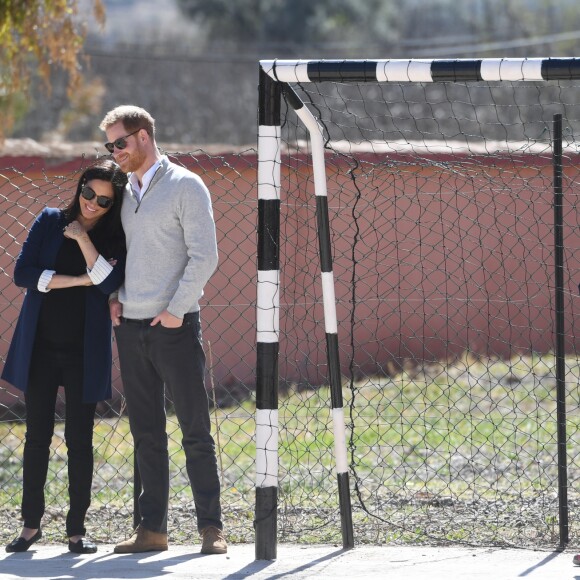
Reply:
x=418, y=264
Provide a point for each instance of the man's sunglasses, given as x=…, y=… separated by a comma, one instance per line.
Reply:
x=119, y=143
x=102, y=201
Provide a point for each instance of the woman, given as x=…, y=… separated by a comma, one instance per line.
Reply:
x=70, y=263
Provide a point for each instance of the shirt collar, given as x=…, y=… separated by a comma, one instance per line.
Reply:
x=147, y=177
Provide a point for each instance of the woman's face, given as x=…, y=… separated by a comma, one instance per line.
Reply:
x=91, y=210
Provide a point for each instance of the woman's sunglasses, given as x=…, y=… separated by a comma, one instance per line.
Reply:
x=119, y=143
x=102, y=201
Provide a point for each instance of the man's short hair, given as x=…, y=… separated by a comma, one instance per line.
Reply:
x=132, y=117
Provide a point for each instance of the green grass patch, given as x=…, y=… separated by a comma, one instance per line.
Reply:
x=421, y=442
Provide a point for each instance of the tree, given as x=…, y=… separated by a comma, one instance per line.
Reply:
x=304, y=22
x=45, y=33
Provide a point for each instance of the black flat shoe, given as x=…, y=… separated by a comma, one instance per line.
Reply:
x=82, y=546
x=21, y=545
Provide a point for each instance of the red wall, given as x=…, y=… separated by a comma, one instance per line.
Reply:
x=433, y=275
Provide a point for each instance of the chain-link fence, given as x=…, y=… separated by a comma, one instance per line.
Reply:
x=228, y=313
x=448, y=440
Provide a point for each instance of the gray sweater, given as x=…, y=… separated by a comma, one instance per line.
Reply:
x=171, y=244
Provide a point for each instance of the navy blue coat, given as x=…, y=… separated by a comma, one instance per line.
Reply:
x=39, y=253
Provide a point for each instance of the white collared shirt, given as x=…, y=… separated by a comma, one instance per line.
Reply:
x=139, y=190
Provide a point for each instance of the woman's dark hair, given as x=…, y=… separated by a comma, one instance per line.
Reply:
x=107, y=235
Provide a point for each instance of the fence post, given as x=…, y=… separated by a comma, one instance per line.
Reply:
x=559, y=331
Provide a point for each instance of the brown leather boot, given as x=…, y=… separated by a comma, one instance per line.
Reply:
x=142, y=540
x=214, y=541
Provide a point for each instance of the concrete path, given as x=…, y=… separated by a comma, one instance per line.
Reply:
x=51, y=562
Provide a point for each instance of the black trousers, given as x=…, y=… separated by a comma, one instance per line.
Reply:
x=51, y=368
x=153, y=358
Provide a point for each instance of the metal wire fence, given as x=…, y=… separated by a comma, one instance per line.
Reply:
x=228, y=315
x=444, y=213
x=445, y=325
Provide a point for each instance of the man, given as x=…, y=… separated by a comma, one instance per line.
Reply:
x=171, y=254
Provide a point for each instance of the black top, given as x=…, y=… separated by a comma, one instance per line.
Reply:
x=62, y=316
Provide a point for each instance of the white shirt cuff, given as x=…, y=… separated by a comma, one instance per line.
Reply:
x=44, y=280
x=101, y=269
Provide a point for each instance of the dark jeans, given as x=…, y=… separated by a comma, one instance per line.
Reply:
x=151, y=358
x=50, y=369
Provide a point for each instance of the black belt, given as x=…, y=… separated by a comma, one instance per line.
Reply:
x=147, y=321
x=139, y=321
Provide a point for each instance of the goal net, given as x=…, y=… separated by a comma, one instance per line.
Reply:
x=455, y=270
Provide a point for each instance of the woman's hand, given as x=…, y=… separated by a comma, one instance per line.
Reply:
x=75, y=231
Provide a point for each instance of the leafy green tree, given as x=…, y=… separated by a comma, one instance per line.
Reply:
x=47, y=34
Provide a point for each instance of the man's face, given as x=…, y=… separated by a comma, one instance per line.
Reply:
x=128, y=149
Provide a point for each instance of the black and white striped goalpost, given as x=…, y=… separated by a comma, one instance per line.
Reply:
x=267, y=319
x=268, y=315
x=275, y=77
x=423, y=70
x=329, y=302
